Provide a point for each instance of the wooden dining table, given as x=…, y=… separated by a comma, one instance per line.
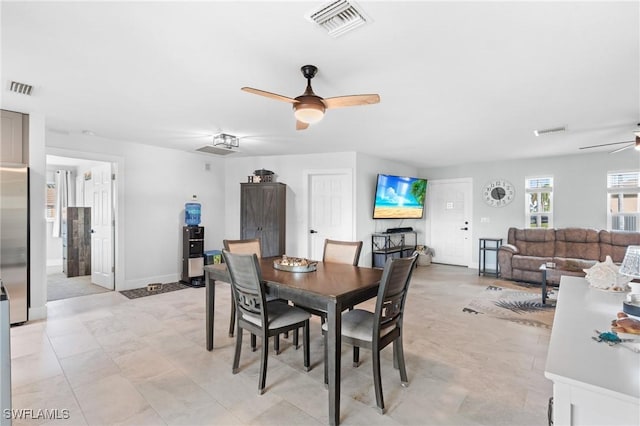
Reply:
x=332, y=288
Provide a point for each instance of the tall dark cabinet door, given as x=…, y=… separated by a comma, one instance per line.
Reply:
x=263, y=215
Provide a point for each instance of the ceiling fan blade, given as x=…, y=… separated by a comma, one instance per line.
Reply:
x=301, y=125
x=632, y=144
x=352, y=100
x=268, y=95
x=604, y=144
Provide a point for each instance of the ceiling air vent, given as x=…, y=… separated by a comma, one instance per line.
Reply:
x=22, y=88
x=209, y=149
x=338, y=17
x=550, y=130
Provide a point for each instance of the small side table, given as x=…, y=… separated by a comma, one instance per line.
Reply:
x=488, y=245
x=543, y=268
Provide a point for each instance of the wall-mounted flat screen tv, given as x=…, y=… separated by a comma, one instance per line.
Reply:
x=399, y=197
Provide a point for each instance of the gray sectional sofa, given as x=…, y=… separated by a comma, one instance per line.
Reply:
x=571, y=249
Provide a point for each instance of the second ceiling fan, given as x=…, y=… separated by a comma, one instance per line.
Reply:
x=309, y=108
x=629, y=144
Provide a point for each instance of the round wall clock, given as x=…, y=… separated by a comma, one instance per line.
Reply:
x=498, y=193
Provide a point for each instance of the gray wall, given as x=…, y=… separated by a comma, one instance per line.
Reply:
x=579, y=193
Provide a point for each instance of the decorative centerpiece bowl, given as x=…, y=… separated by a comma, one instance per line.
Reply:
x=294, y=264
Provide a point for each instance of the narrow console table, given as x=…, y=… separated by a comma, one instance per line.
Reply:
x=488, y=246
x=593, y=383
x=391, y=244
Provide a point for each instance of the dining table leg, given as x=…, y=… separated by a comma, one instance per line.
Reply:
x=334, y=341
x=210, y=305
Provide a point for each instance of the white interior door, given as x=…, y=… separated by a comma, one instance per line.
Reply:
x=450, y=212
x=330, y=208
x=102, y=227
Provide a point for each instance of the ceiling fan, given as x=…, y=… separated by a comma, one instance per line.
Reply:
x=629, y=144
x=309, y=108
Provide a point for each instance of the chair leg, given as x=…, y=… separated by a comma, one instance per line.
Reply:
x=377, y=380
x=326, y=356
x=236, y=356
x=356, y=356
x=397, y=348
x=276, y=343
x=305, y=343
x=232, y=319
x=253, y=342
x=395, y=354
x=263, y=363
x=295, y=339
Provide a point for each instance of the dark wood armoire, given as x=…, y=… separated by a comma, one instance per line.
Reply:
x=263, y=215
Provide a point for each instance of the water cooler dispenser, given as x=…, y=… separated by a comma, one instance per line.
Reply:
x=193, y=256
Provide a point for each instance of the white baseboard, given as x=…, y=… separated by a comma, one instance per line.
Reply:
x=38, y=313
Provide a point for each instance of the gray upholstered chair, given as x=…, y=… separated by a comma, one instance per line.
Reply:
x=375, y=330
x=342, y=251
x=249, y=246
x=335, y=251
x=256, y=315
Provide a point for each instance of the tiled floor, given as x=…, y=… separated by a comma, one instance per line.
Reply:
x=110, y=360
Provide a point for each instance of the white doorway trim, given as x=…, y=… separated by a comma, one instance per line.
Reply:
x=469, y=247
x=118, y=169
x=306, y=202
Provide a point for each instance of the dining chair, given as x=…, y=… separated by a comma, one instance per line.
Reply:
x=249, y=246
x=335, y=251
x=375, y=330
x=346, y=252
x=342, y=251
x=258, y=316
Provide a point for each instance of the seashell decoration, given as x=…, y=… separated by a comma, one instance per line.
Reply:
x=605, y=276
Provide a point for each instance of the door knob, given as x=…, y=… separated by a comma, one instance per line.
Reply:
x=313, y=231
x=464, y=229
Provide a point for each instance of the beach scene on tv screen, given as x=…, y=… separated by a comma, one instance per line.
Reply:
x=399, y=197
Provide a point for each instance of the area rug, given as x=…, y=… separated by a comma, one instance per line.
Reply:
x=514, y=302
x=142, y=292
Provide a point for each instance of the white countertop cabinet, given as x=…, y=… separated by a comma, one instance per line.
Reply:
x=593, y=383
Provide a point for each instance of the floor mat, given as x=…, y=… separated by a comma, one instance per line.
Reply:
x=513, y=302
x=142, y=292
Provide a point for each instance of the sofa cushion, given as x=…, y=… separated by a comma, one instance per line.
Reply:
x=529, y=263
x=577, y=243
x=615, y=243
x=533, y=242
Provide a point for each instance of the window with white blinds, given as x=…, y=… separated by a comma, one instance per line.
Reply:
x=623, y=190
x=51, y=201
x=539, y=202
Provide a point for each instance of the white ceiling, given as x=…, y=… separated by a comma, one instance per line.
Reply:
x=459, y=81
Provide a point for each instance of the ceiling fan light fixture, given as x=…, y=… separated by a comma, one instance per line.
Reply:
x=308, y=113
